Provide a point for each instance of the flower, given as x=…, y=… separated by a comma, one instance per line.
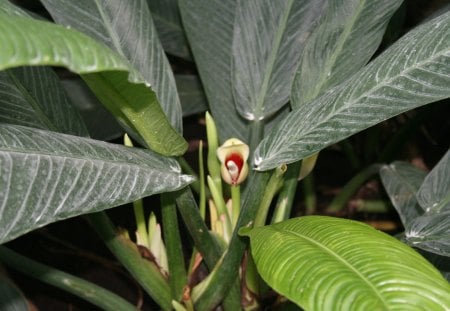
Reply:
x=233, y=155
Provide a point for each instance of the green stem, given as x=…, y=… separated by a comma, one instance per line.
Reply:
x=310, y=194
x=141, y=223
x=202, y=199
x=227, y=273
x=350, y=188
x=256, y=134
x=286, y=197
x=221, y=208
x=145, y=272
x=206, y=245
x=236, y=203
x=271, y=189
x=351, y=154
x=96, y=295
x=177, y=269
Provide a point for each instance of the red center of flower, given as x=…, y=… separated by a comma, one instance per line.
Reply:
x=234, y=163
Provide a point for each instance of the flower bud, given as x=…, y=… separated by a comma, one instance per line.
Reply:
x=233, y=155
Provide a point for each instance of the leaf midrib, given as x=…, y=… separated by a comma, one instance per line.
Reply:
x=340, y=259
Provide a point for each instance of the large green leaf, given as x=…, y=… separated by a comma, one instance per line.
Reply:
x=325, y=263
x=127, y=28
x=401, y=181
x=31, y=42
x=413, y=72
x=33, y=96
x=209, y=29
x=48, y=176
x=166, y=16
x=348, y=35
x=268, y=38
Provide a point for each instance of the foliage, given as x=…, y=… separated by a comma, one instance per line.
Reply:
x=288, y=78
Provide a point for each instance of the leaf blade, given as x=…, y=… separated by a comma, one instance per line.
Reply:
x=48, y=176
x=127, y=28
x=348, y=35
x=421, y=76
x=346, y=273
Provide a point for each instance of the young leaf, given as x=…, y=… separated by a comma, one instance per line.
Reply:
x=325, y=263
x=413, y=72
x=127, y=28
x=166, y=16
x=31, y=42
x=48, y=177
x=268, y=38
x=401, y=181
x=347, y=37
x=33, y=96
x=209, y=28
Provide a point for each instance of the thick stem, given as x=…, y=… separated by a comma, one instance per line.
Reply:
x=177, y=268
x=145, y=272
x=227, y=273
x=236, y=203
x=141, y=223
x=256, y=134
x=96, y=295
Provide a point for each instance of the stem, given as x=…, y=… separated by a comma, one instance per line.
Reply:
x=207, y=246
x=227, y=273
x=256, y=134
x=221, y=207
x=350, y=188
x=96, y=295
x=145, y=272
x=213, y=144
x=236, y=203
x=286, y=197
x=177, y=270
x=310, y=194
x=141, y=223
x=204, y=243
x=271, y=189
x=202, y=199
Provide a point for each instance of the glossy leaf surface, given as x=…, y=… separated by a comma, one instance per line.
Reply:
x=268, y=38
x=325, y=263
x=166, y=16
x=411, y=73
x=47, y=177
x=127, y=28
x=28, y=42
x=209, y=29
x=347, y=36
x=33, y=96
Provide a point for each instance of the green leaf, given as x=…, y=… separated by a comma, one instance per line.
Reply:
x=33, y=96
x=48, y=176
x=166, y=16
x=209, y=29
x=413, y=72
x=401, y=181
x=347, y=37
x=31, y=42
x=127, y=28
x=191, y=93
x=325, y=263
x=434, y=194
x=267, y=42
